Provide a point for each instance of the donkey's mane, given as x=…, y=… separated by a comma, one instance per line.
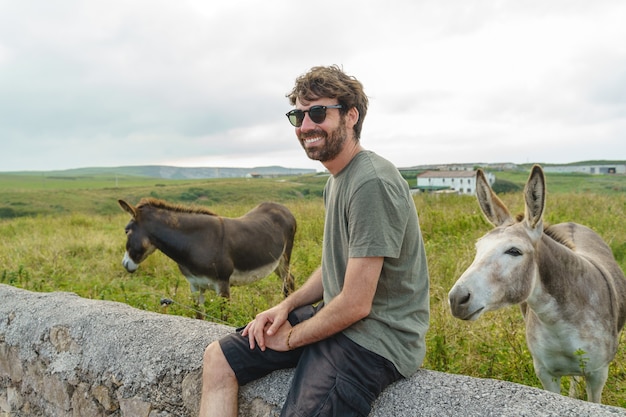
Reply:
x=557, y=236
x=179, y=208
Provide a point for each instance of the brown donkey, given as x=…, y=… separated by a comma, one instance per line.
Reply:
x=213, y=251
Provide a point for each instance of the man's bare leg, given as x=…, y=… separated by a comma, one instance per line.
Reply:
x=220, y=388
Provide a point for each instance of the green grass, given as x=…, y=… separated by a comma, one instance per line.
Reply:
x=66, y=238
x=27, y=196
x=571, y=183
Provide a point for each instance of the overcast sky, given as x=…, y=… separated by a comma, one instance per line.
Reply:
x=87, y=83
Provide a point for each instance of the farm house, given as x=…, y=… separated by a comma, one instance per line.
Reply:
x=458, y=182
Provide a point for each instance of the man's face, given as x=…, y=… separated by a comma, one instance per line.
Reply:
x=324, y=141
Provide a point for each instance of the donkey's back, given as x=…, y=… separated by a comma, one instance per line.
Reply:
x=590, y=246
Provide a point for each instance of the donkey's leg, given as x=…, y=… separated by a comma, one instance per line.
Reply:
x=200, y=304
x=289, y=284
x=550, y=382
x=595, y=383
x=576, y=384
x=284, y=273
x=222, y=288
x=284, y=268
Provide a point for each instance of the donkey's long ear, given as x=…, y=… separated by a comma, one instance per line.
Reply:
x=535, y=196
x=128, y=208
x=493, y=208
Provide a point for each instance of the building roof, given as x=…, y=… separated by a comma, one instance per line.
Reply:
x=447, y=174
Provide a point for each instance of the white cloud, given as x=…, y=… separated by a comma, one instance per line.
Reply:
x=194, y=82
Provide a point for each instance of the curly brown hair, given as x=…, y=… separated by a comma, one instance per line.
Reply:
x=332, y=82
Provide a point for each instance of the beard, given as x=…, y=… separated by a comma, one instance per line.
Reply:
x=333, y=143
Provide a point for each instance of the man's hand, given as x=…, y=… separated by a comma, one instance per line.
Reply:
x=269, y=329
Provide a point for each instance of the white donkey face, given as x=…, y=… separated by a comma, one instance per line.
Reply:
x=502, y=273
x=505, y=269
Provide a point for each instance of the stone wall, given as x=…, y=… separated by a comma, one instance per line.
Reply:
x=62, y=355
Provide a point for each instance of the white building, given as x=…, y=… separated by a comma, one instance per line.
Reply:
x=459, y=182
x=588, y=169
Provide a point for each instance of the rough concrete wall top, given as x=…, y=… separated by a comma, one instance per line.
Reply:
x=71, y=356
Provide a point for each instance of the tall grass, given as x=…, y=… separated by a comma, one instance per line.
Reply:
x=81, y=252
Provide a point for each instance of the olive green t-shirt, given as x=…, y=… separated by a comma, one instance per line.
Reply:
x=370, y=213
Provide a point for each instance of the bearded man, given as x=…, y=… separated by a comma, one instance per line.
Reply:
x=359, y=322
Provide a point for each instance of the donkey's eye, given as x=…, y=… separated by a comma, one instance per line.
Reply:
x=514, y=252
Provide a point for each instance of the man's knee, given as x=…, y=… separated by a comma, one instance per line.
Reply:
x=219, y=386
x=215, y=364
x=211, y=351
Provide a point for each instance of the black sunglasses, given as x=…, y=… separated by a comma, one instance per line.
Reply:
x=316, y=113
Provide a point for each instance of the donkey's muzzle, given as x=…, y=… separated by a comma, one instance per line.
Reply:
x=461, y=304
x=129, y=264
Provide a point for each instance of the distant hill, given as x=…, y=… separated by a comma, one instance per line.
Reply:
x=172, y=172
x=508, y=166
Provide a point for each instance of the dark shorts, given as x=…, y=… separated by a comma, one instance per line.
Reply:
x=334, y=377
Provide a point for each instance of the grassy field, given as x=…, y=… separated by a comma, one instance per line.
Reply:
x=68, y=235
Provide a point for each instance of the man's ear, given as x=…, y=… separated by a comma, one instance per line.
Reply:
x=353, y=116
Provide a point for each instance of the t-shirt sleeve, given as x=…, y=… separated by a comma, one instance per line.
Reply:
x=377, y=219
